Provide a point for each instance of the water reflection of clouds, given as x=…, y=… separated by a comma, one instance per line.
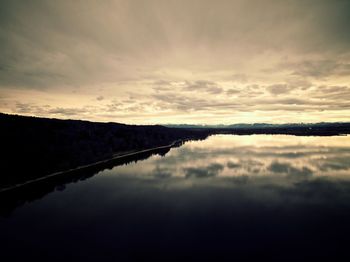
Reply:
x=256, y=196
x=231, y=156
x=287, y=168
x=207, y=171
x=213, y=194
x=273, y=191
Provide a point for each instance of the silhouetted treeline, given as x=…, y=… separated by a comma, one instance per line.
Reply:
x=324, y=129
x=293, y=128
x=317, y=129
x=33, y=147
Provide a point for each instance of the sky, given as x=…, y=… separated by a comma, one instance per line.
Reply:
x=176, y=61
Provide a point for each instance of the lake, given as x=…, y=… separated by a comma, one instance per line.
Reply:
x=277, y=196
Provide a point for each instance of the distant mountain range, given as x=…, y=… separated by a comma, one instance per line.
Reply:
x=260, y=125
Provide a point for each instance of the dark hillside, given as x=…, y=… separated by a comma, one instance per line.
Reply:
x=33, y=147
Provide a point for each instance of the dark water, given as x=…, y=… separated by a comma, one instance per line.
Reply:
x=232, y=197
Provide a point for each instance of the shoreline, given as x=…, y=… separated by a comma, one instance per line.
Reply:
x=94, y=164
x=125, y=155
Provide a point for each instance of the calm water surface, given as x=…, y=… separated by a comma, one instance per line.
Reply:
x=283, y=197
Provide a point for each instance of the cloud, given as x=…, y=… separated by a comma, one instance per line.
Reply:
x=202, y=85
x=233, y=165
x=290, y=85
x=66, y=111
x=279, y=89
x=28, y=108
x=288, y=169
x=232, y=91
x=32, y=109
x=299, y=83
x=205, y=57
x=317, y=68
x=208, y=171
x=162, y=172
x=239, y=77
x=24, y=108
x=335, y=163
x=337, y=93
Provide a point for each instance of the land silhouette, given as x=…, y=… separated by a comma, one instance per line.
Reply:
x=34, y=148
